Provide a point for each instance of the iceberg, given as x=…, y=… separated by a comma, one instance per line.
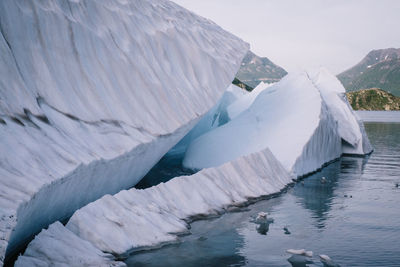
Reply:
x=68, y=251
x=304, y=120
x=214, y=118
x=92, y=95
x=350, y=127
x=137, y=219
x=245, y=102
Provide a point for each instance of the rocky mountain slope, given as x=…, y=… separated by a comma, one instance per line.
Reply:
x=242, y=85
x=373, y=99
x=379, y=69
x=255, y=69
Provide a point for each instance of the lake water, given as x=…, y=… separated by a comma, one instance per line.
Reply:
x=354, y=218
x=379, y=116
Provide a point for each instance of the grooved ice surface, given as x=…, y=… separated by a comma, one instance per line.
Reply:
x=92, y=94
x=71, y=250
x=137, y=219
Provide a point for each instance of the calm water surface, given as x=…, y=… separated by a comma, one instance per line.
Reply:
x=354, y=218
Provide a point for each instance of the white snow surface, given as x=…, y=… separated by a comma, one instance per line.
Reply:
x=214, y=118
x=302, y=119
x=245, y=102
x=92, y=94
x=71, y=250
x=138, y=219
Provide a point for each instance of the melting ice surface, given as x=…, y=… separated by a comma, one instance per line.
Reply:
x=353, y=218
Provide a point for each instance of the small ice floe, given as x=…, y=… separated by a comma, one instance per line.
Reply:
x=263, y=222
x=327, y=261
x=286, y=229
x=262, y=217
x=323, y=180
x=302, y=252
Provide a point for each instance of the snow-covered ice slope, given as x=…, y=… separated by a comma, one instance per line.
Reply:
x=92, y=94
x=137, y=219
x=302, y=120
x=245, y=102
x=49, y=250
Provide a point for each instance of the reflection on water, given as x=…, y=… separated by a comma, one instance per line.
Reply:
x=212, y=244
x=354, y=217
x=317, y=195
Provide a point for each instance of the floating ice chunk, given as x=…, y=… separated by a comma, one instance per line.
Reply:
x=262, y=217
x=327, y=261
x=300, y=252
x=290, y=118
x=304, y=119
x=325, y=257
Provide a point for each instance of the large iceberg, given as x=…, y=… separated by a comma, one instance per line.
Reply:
x=214, y=118
x=138, y=219
x=304, y=120
x=350, y=127
x=92, y=95
x=245, y=102
x=50, y=250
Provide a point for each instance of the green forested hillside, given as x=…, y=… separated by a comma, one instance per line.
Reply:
x=373, y=99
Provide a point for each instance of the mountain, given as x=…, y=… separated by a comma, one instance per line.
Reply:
x=379, y=69
x=373, y=99
x=255, y=69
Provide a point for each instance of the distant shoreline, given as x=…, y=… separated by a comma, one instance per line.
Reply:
x=379, y=115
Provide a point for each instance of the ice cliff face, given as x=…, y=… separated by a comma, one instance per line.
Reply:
x=92, y=94
x=351, y=129
x=136, y=219
x=304, y=120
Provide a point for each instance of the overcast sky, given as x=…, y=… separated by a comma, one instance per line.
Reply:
x=301, y=34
